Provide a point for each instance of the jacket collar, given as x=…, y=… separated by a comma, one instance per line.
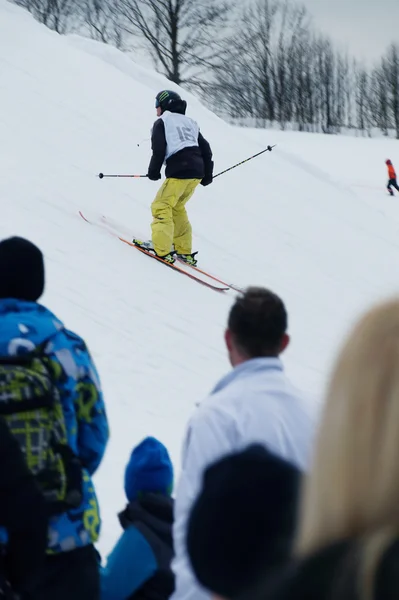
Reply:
x=249, y=368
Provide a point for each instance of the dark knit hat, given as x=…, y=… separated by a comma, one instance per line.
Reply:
x=148, y=470
x=243, y=521
x=21, y=270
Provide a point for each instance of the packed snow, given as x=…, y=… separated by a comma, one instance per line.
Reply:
x=311, y=220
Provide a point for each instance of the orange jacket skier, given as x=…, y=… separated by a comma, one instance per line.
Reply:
x=391, y=177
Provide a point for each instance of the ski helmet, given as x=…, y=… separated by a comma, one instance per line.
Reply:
x=165, y=98
x=388, y=162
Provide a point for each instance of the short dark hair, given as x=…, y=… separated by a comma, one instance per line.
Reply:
x=258, y=321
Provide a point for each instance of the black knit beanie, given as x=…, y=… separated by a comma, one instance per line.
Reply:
x=243, y=521
x=21, y=270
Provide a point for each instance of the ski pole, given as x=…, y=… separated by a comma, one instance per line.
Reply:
x=268, y=149
x=101, y=175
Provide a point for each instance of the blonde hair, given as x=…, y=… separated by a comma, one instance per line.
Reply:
x=353, y=488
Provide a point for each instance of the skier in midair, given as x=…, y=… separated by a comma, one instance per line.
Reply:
x=392, y=177
x=176, y=141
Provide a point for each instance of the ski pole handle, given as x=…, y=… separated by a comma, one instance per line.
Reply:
x=101, y=176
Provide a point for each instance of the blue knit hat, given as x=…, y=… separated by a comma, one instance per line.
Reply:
x=148, y=470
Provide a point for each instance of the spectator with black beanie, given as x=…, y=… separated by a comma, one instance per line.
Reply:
x=28, y=328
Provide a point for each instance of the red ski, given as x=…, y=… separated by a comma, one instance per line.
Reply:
x=229, y=285
x=105, y=222
x=173, y=266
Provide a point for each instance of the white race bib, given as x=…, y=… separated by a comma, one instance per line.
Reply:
x=180, y=132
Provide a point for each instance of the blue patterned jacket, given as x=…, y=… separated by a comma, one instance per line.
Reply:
x=23, y=326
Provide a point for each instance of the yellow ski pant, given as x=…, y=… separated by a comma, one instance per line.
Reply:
x=170, y=223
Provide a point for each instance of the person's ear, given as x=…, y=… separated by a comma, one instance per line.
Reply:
x=285, y=342
x=228, y=340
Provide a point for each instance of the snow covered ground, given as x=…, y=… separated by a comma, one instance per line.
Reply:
x=311, y=220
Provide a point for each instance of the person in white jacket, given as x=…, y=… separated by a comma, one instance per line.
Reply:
x=254, y=403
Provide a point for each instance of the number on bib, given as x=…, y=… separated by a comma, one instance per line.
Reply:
x=186, y=134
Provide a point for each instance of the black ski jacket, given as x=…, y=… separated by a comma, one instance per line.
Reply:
x=152, y=515
x=193, y=162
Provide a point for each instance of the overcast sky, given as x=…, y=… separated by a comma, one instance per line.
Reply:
x=365, y=27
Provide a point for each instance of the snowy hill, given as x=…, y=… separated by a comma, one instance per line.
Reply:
x=295, y=220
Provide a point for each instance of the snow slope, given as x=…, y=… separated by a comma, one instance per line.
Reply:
x=295, y=220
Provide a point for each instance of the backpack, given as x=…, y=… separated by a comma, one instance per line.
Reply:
x=31, y=406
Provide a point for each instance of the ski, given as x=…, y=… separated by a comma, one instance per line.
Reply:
x=175, y=267
x=117, y=229
x=231, y=286
x=151, y=255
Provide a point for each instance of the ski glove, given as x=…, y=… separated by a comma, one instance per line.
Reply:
x=207, y=180
x=153, y=176
x=208, y=176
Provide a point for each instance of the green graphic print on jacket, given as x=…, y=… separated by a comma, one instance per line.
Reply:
x=24, y=327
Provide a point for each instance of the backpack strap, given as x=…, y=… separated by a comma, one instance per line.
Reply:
x=74, y=477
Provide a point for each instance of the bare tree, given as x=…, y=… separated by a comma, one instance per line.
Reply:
x=291, y=29
x=380, y=100
x=342, y=108
x=58, y=15
x=326, y=80
x=300, y=91
x=101, y=20
x=389, y=77
x=182, y=36
x=265, y=57
x=245, y=88
x=364, y=100
x=350, y=91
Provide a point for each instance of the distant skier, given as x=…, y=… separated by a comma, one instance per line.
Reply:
x=177, y=142
x=392, y=177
